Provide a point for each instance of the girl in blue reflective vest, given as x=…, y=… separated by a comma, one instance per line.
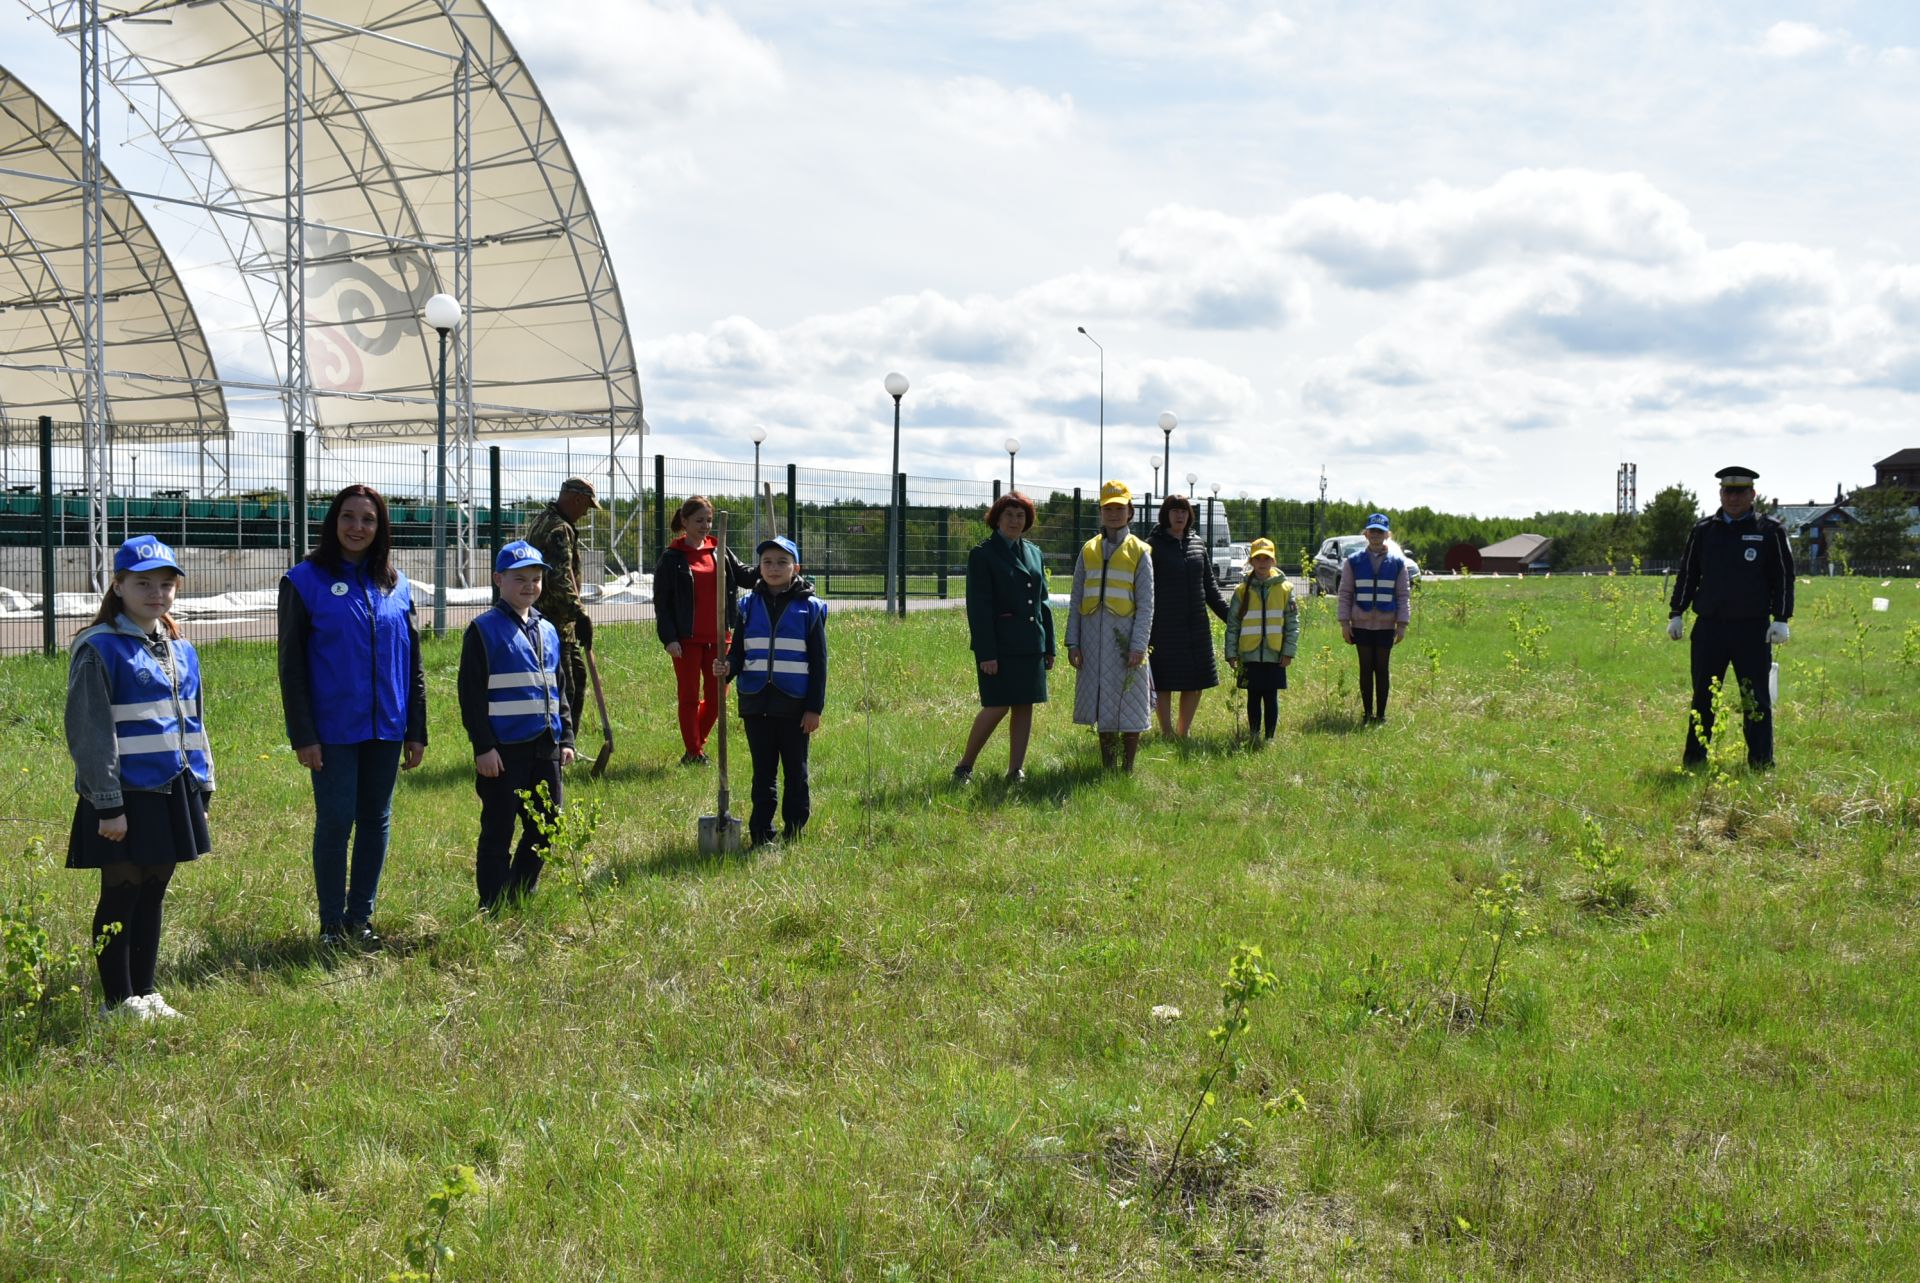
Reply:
x=514, y=707
x=136, y=733
x=355, y=699
x=1374, y=607
x=778, y=661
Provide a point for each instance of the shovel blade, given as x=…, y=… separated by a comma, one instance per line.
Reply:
x=720, y=835
x=600, y=762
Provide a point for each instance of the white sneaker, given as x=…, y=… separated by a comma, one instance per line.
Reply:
x=157, y=1008
x=133, y=1010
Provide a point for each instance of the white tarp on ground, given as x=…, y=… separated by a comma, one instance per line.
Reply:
x=628, y=590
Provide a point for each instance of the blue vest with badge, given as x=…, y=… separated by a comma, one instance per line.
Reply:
x=523, y=682
x=1375, y=591
x=156, y=713
x=359, y=652
x=777, y=653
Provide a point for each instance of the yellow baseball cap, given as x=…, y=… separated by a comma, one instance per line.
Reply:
x=1262, y=548
x=1115, y=492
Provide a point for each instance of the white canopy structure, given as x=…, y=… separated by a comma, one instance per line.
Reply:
x=167, y=389
x=359, y=156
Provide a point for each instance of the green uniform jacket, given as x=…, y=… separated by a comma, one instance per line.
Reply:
x=559, y=545
x=1007, y=610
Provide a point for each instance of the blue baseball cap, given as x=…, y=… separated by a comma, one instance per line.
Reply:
x=518, y=555
x=781, y=542
x=1378, y=521
x=145, y=552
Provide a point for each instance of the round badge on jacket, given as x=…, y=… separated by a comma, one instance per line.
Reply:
x=1753, y=554
x=340, y=590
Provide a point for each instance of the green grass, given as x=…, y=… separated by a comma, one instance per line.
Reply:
x=920, y=1045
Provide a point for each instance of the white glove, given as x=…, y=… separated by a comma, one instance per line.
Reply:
x=1677, y=627
x=1777, y=633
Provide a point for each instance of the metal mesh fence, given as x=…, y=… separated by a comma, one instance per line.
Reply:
x=240, y=510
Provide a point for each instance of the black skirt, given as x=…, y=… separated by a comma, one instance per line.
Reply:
x=162, y=828
x=1263, y=677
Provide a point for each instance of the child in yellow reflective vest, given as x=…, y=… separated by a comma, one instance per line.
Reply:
x=1263, y=632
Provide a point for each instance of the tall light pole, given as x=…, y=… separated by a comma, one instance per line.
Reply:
x=1100, y=480
x=1156, y=478
x=759, y=435
x=1013, y=448
x=126, y=507
x=1167, y=424
x=1191, y=478
x=443, y=313
x=896, y=385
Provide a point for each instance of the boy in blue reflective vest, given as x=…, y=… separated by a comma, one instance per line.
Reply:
x=514, y=707
x=778, y=661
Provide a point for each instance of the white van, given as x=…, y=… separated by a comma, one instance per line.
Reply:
x=1228, y=557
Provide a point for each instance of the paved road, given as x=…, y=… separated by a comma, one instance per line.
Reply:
x=22, y=633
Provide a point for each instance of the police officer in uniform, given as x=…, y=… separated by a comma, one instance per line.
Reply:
x=1737, y=574
x=554, y=533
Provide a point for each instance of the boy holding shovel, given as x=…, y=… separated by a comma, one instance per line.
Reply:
x=778, y=660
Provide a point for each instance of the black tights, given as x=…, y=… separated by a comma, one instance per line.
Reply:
x=129, y=917
x=1263, y=705
x=1374, y=662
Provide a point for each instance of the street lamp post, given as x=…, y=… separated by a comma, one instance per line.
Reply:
x=1100, y=480
x=759, y=435
x=1167, y=424
x=126, y=507
x=1191, y=478
x=896, y=385
x=443, y=313
x=1156, y=477
x=1013, y=448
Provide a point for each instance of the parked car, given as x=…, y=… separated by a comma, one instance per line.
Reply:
x=1334, y=553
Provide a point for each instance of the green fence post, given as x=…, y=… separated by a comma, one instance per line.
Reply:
x=660, y=502
x=493, y=496
x=1077, y=540
x=940, y=546
x=900, y=482
x=793, y=508
x=47, y=568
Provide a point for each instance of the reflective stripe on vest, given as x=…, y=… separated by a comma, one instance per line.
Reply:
x=1265, y=623
x=523, y=683
x=156, y=712
x=776, y=654
x=1375, y=590
x=1115, y=575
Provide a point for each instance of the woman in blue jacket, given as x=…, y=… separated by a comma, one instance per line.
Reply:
x=355, y=700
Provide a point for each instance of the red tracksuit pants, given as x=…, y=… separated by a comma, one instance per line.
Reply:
x=693, y=675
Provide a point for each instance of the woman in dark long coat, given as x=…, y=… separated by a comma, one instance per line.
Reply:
x=1011, y=629
x=1185, y=590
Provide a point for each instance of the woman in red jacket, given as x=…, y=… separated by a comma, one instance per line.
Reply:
x=685, y=586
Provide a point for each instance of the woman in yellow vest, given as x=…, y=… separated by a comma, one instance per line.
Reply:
x=1263, y=632
x=1109, y=619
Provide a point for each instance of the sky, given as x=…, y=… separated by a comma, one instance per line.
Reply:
x=1471, y=256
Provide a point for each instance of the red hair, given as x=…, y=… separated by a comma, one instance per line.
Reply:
x=1012, y=499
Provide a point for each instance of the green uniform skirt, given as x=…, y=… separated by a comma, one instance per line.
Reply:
x=1022, y=679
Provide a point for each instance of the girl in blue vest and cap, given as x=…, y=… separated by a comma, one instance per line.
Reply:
x=136, y=733
x=1374, y=607
x=778, y=661
x=355, y=698
x=514, y=707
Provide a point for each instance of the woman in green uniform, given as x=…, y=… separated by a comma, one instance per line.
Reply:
x=1011, y=626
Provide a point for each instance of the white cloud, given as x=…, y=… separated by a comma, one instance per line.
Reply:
x=639, y=63
x=1227, y=34
x=986, y=111
x=1446, y=231
x=1794, y=40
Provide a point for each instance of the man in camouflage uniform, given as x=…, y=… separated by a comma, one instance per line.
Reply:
x=553, y=532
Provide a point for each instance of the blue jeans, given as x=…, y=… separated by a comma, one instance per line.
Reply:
x=352, y=795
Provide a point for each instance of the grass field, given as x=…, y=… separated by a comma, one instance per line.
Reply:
x=922, y=1044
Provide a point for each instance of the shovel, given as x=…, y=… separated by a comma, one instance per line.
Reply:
x=720, y=834
x=606, y=727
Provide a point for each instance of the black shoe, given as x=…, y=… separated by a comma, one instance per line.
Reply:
x=693, y=759
x=963, y=775
x=364, y=936
x=333, y=936
x=1016, y=776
